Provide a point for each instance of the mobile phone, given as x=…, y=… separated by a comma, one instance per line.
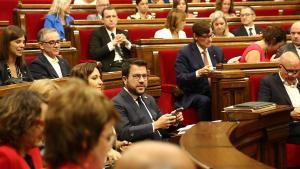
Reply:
x=180, y=109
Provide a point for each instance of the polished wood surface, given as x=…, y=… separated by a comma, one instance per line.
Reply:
x=231, y=144
x=111, y=80
x=231, y=85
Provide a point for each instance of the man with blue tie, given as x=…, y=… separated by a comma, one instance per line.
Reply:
x=194, y=62
x=140, y=116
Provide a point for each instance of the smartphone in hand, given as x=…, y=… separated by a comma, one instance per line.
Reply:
x=180, y=109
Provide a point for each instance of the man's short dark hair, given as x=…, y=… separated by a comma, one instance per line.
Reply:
x=107, y=8
x=132, y=61
x=201, y=27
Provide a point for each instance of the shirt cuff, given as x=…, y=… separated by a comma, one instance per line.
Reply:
x=128, y=44
x=153, y=127
x=197, y=75
x=110, y=46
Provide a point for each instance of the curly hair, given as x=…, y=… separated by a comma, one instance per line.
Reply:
x=273, y=35
x=80, y=114
x=83, y=70
x=18, y=112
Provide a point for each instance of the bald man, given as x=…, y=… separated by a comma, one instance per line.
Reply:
x=284, y=88
x=154, y=155
x=295, y=37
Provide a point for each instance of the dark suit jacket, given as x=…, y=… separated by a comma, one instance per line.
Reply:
x=11, y=159
x=98, y=48
x=26, y=75
x=272, y=90
x=41, y=68
x=288, y=47
x=241, y=31
x=136, y=125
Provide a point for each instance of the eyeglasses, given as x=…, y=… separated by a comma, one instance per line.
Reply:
x=291, y=72
x=52, y=42
x=246, y=14
x=139, y=76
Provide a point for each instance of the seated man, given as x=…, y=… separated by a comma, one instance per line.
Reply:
x=192, y=65
x=248, y=27
x=284, y=88
x=49, y=64
x=140, y=116
x=109, y=44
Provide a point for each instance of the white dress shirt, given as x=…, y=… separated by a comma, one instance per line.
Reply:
x=253, y=30
x=292, y=91
x=54, y=63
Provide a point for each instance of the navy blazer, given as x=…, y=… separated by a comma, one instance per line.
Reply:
x=272, y=90
x=188, y=61
x=41, y=68
x=287, y=47
x=241, y=31
x=136, y=125
x=98, y=48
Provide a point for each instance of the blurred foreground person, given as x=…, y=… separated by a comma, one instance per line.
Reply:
x=21, y=130
x=156, y=155
x=84, y=119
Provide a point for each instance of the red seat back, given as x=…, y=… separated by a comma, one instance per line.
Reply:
x=167, y=60
x=85, y=37
x=254, y=82
x=230, y=52
x=141, y=33
x=6, y=8
x=120, y=1
x=124, y=14
x=110, y=93
x=34, y=22
x=36, y=1
x=188, y=31
x=162, y=14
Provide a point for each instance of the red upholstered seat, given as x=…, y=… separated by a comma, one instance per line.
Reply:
x=85, y=36
x=124, y=14
x=254, y=82
x=230, y=52
x=293, y=154
x=188, y=31
x=110, y=93
x=205, y=12
x=162, y=14
x=167, y=60
x=120, y=1
x=141, y=33
x=30, y=58
x=6, y=8
x=36, y=1
x=34, y=22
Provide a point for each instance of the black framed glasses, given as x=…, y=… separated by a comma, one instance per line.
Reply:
x=52, y=42
x=290, y=72
x=139, y=76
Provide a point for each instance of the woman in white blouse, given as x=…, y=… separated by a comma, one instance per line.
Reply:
x=173, y=26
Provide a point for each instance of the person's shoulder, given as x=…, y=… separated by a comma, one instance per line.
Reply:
x=51, y=16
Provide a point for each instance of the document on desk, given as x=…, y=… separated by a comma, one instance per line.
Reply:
x=182, y=130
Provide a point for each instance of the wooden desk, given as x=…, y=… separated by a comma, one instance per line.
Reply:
x=110, y=79
x=230, y=85
x=229, y=144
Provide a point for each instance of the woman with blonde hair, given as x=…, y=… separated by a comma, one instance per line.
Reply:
x=58, y=16
x=219, y=25
x=44, y=87
x=174, y=26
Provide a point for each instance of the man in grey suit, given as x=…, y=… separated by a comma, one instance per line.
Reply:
x=140, y=116
x=295, y=45
x=100, y=5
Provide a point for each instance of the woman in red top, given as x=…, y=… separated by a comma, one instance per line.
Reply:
x=21, y=130
x=262, y=51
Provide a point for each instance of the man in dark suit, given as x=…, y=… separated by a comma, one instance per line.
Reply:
x=284, y=88
x=140, y=117
x=295, y=45
x=194, y=62
x=49, y=64
x=108, y=44
x=248, y=27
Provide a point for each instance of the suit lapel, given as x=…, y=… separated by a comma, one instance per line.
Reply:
x=244, y=30
x=281, y=89
x=62, y=66
x=196, y=58
x=212, y=56
x=48, y=65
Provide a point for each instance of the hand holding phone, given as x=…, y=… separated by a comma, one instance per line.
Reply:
x=180, y=109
